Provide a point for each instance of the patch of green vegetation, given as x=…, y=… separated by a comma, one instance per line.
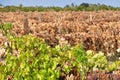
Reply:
x=72, y=7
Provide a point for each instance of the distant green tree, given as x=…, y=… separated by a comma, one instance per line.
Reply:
x=68, y=8
x=85, y=5
x=1, y=5
x=20, y=5
x=72, y=5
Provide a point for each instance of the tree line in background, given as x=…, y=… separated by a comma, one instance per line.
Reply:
x=72, y=7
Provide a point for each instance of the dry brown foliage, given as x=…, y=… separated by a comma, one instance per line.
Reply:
x=99, y=31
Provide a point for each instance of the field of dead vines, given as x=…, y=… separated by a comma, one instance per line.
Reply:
x=97, y=31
